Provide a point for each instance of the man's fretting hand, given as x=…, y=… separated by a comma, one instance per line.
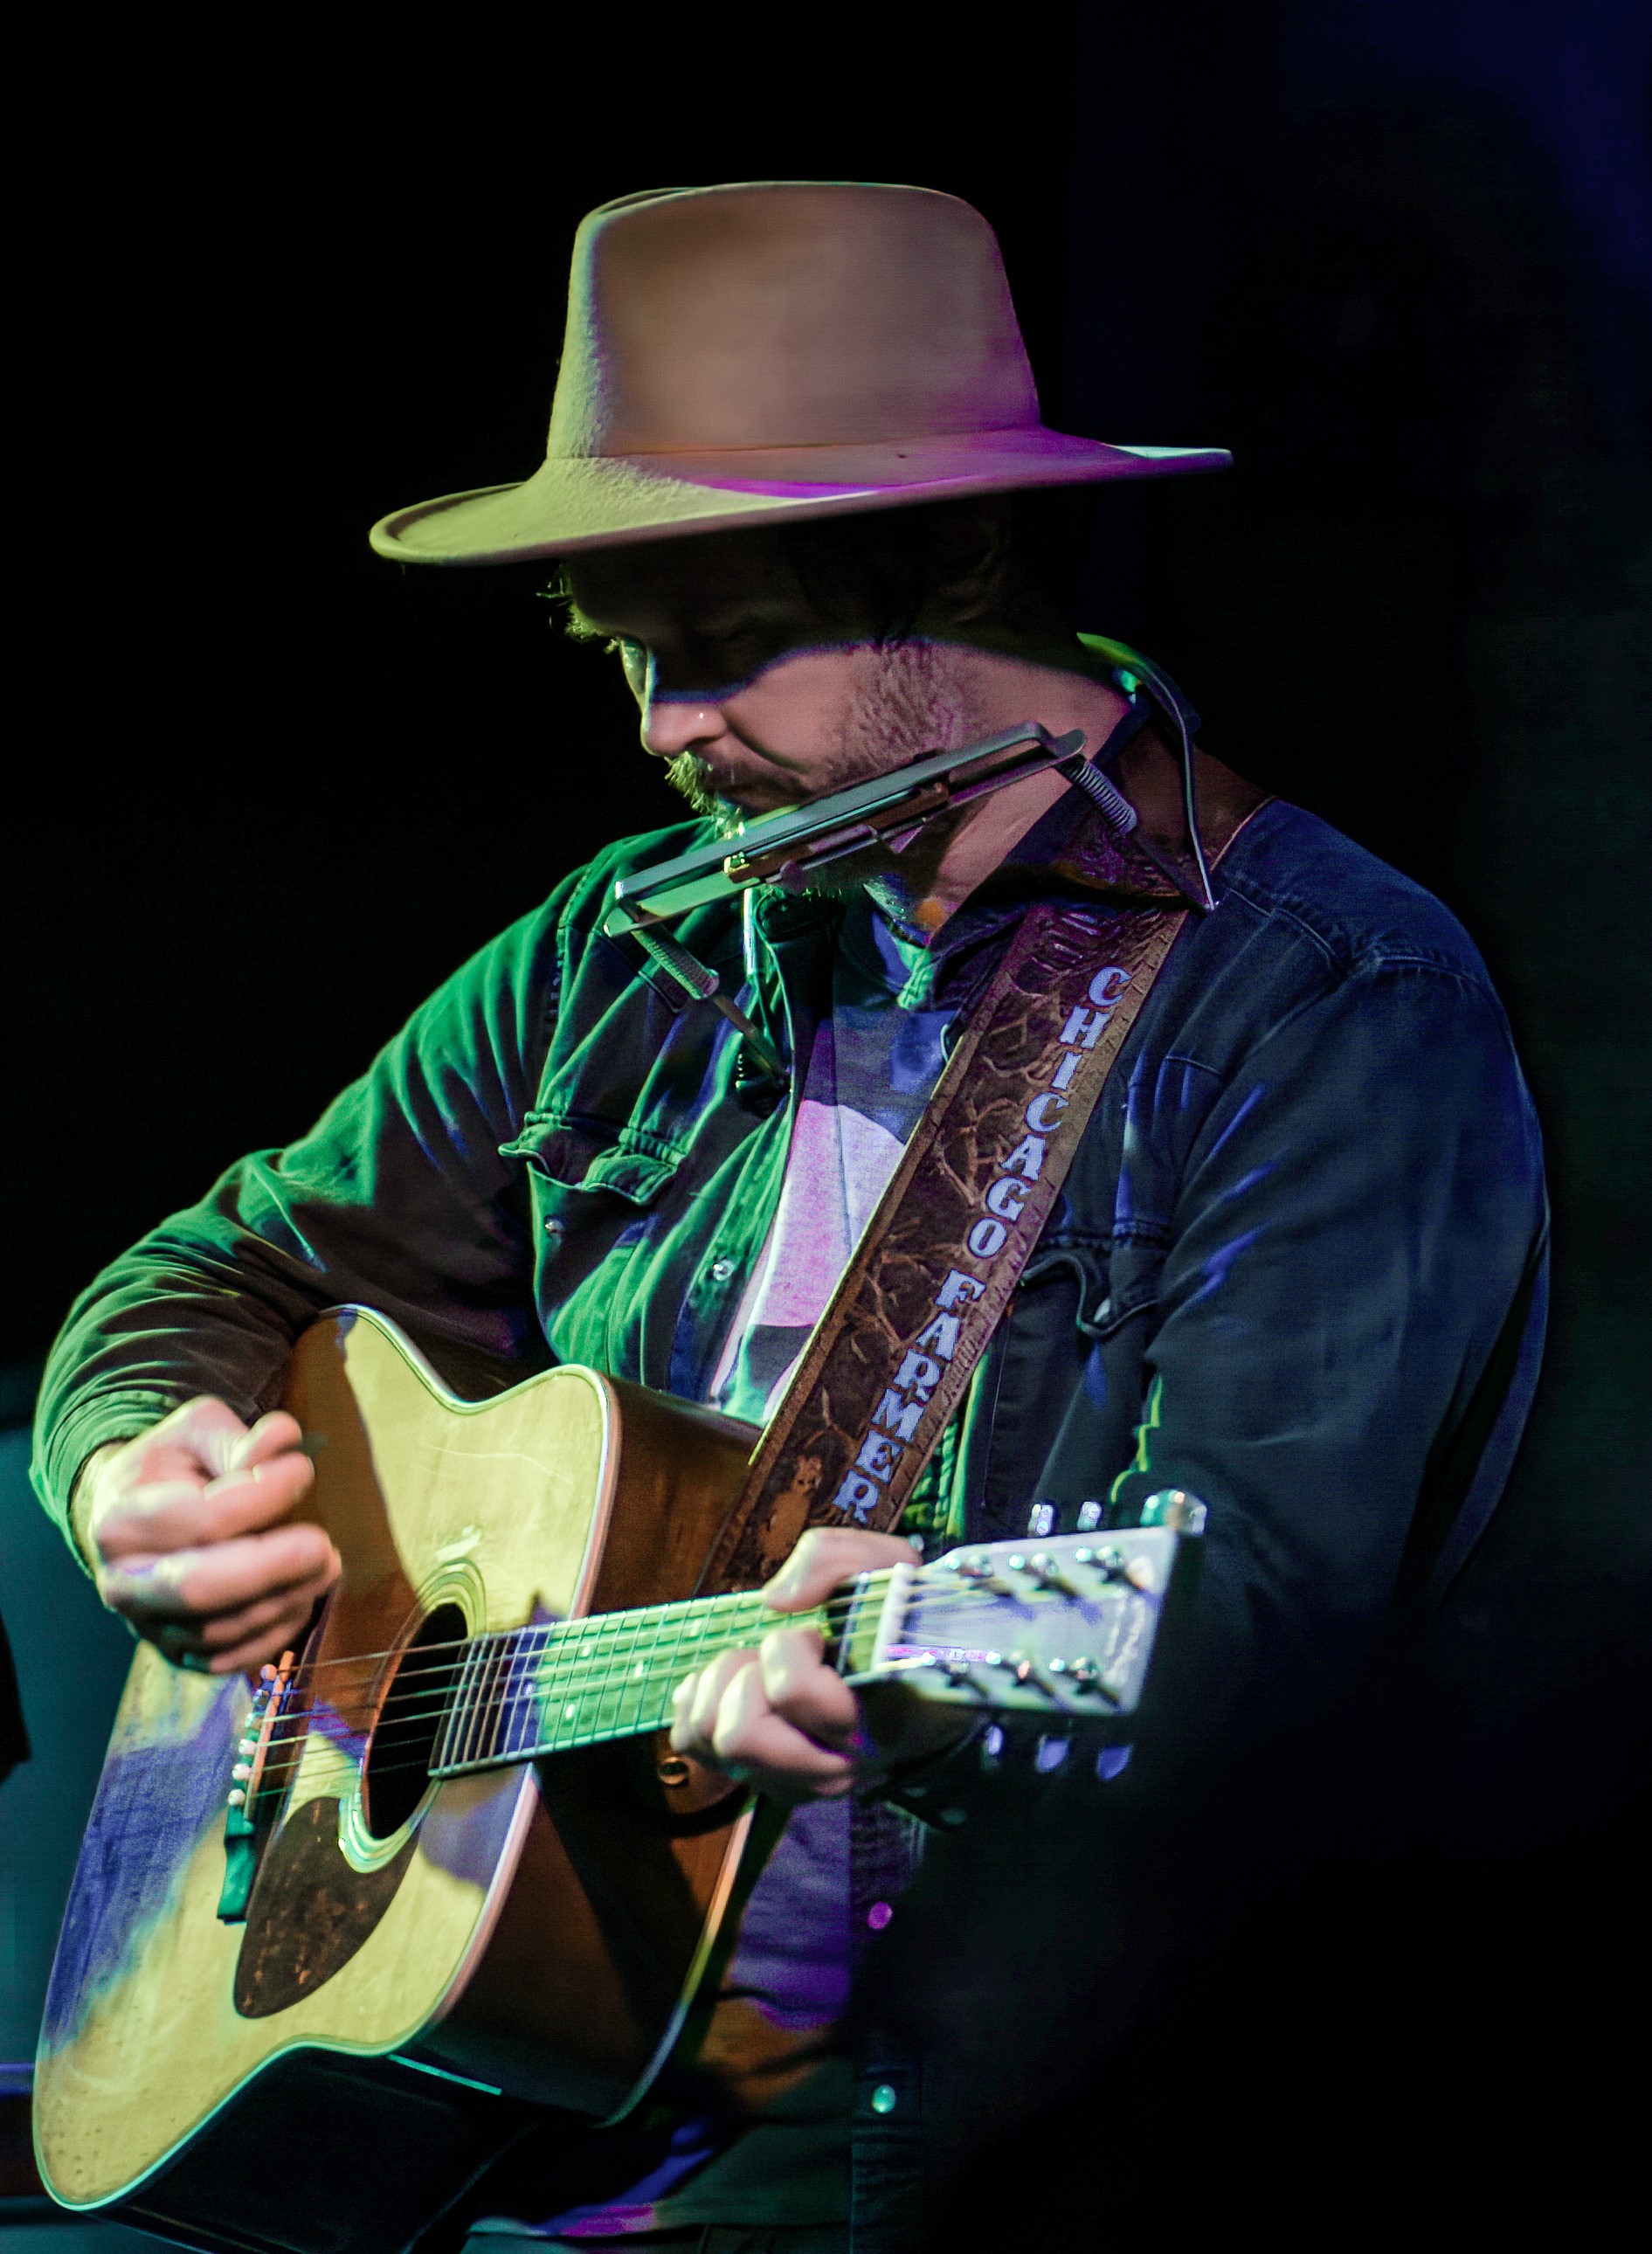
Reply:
x=786, y=1722
x=182, y=1529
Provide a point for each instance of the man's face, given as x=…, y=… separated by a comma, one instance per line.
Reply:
x=757, y=700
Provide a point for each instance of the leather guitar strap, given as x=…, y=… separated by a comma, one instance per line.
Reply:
x=889, y=1360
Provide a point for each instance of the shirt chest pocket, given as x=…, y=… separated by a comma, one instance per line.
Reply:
x=595, y=1194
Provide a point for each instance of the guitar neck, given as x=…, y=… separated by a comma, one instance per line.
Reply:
x=524, y=1693
x=1065, y=1630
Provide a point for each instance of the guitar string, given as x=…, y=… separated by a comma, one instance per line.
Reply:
x=603, y=1638
x=663, y=1613
x=570, y=1682
x=936, y=1595
x=546, y=1737
x=542, y=1748
x=930, y=1585
x=585, y=1624
x=608, y=1638
x=573, y=1679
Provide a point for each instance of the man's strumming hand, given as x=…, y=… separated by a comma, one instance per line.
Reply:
x=182, y=1528
x=780, y=1717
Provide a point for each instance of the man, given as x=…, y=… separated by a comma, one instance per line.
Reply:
x=796, y=477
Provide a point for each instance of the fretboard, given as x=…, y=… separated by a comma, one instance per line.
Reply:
x=524, y=1693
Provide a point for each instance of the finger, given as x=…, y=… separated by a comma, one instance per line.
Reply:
x=748, y=1735
x=825, y=1558
x=283, y=1634
x=681, y=1702
x=206, y=1430
x=225, y=1631
x=708, y=1687
x=188, y=1513
x=273, y=1435
x=194, y=1584
x=223, y=1644
x=803, y=1690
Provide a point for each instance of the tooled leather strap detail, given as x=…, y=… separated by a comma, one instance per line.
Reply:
x=890, y=1359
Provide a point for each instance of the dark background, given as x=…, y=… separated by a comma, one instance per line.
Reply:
x=1399, y=258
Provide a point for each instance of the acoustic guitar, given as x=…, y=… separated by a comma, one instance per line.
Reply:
x=338, y=1936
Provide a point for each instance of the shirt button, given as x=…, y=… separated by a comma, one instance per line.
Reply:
x=879, y=1916
x=883, y=2098
x=555, y=1227
x=722, y=1269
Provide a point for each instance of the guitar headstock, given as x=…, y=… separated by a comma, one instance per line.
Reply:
x=1058, y=1626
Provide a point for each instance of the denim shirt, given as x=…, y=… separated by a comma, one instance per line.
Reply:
x=1297, y=1268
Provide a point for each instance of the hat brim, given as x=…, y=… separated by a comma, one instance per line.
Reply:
x=610, y=500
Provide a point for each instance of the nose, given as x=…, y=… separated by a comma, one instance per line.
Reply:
x=674, y=725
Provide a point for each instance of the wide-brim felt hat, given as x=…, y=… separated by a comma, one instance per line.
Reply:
x=774, y=349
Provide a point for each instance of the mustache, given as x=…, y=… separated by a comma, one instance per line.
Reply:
x=693, y=777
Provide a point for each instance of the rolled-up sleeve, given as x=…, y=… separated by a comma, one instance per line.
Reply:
x=397, y=1196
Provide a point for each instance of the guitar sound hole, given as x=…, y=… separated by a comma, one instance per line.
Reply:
x=398, y=1763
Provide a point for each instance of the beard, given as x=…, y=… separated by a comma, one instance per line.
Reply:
x=692, y=778
x=914, y=702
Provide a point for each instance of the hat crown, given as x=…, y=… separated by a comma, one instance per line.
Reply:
x=786, y=314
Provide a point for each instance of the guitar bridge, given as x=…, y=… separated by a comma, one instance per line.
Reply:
x=242, y=1829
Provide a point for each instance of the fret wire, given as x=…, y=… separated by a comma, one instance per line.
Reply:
x=632, y=1684
x=497, y=1682
x=567, y=1642
x=535, y=1700
x=590, y=1695
x=518, y=1726
x=567, y=1724
x=464, y=1740
x=479, y=1697
x=643, y=1646
x=616, y=1655
x=458, y=1715
x=521, y=1646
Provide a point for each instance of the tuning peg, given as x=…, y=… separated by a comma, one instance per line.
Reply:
x=1087, y=1675
x=1050, y=1575
x=1112, y=1563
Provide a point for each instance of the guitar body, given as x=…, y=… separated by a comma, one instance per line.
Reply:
x=420, y=1968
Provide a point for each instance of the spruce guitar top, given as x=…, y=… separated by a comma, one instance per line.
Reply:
x=439, y=1869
